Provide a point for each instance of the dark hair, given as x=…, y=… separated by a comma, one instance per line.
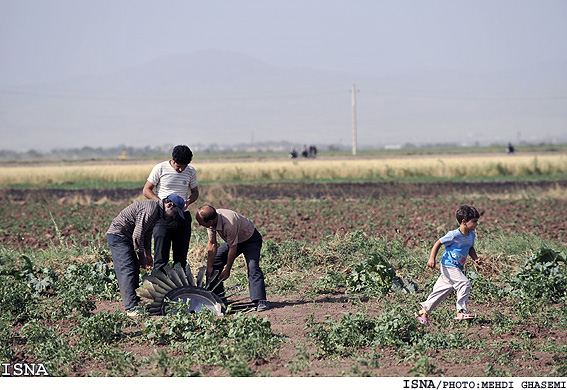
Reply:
x=182, y=154
x=207, y=212
x=467, y=213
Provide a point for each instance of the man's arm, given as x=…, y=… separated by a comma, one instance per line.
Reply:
x=212, y=246
x=193, y=196
x=148, y=191
x=230, y=260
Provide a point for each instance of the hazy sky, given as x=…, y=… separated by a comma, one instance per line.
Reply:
x=52, y=40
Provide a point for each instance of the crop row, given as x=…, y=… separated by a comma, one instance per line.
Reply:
x=553, y=165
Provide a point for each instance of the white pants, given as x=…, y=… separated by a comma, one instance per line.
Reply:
x=450, y=278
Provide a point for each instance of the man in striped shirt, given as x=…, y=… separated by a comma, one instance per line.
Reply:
x=130, y=240
x=175, y=176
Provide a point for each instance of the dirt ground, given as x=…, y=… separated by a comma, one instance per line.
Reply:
x=289, y=313
x=406, y=210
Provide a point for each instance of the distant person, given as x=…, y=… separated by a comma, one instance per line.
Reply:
x=459, y=244
x=305, y=151
x=240, y=236
x=312, y=151
x=292, y=153
x=510, y=148
x=130, y=240
x=175, y=176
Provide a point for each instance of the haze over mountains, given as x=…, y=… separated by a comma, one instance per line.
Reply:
x=228, y=98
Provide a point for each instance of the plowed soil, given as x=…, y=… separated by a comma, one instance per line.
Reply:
x=416, y=212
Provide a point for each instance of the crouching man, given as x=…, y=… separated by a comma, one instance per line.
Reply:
x=130, y=240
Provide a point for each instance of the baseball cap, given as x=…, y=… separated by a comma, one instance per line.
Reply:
x=179, y=202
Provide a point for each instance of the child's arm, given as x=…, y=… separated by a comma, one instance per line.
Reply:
x=472, y=254
x=433, y=255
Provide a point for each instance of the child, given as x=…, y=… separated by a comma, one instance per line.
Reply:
x=458, y=244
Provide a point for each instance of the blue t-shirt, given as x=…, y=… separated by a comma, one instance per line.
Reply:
x=457, y=247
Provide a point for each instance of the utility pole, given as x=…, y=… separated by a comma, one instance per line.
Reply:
x=354, y=119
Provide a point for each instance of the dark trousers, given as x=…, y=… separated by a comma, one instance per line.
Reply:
x=127, y=269
x=172, y=234
x=251, y=250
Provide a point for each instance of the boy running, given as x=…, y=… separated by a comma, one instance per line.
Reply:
x=459, y=243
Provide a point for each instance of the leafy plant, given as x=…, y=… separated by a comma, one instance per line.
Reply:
x=377, y=276
x=543, y=276
x=49, y=346
x=371, y=276
x=354, y=331
x=329, y=283
x=17, y=299
x=100, y=329
x=226, y=341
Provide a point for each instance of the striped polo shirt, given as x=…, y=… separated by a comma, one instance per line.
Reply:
x=136, y=223
x=168, y=181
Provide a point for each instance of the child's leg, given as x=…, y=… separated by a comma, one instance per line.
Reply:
x=441, y=291
x=461, y=284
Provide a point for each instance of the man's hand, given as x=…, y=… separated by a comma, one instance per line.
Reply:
x=225, y=273
x=209, y=270
x=146, y=262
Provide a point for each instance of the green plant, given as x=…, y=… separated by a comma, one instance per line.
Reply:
x=17, y=299
x=50, y=346
x=377, y=276
x=425, y=367
x=354, y=331
x=543, y=276
x=6, y=340
x=100, y=329
x=301, y=363
x=329, y=283
x=226, y=341
x=371, y=276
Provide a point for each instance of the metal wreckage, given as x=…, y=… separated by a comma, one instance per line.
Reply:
x=176, y=284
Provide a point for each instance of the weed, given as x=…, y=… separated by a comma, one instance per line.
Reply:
x=329, y=283
x=302, y=362
x=49, y=346
x=358, y=330
x=226, y=341
x=377, y=276
x=100, y=329
x=425, y=367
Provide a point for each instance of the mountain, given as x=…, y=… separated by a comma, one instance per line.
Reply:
x=217, y=97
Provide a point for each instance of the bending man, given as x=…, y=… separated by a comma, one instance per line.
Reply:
x=240, y=236
x=130, y=240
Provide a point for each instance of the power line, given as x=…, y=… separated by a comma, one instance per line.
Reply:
x=195, y=97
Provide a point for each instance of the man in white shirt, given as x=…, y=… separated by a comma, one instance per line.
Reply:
x=175, y=176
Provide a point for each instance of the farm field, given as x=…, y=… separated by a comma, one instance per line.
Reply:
x=331, y=254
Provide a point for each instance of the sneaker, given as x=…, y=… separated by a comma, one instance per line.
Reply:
x=423, y=320
x=135, y=311
x=262, y=305
x=463, y=315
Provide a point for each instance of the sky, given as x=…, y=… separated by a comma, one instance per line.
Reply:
x=43, y=41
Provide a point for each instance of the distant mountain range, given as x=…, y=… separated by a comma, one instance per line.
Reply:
x=224, y=98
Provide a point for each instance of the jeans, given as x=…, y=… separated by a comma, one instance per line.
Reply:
x=251, y=250
x=172, y=234
x=127, y=269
